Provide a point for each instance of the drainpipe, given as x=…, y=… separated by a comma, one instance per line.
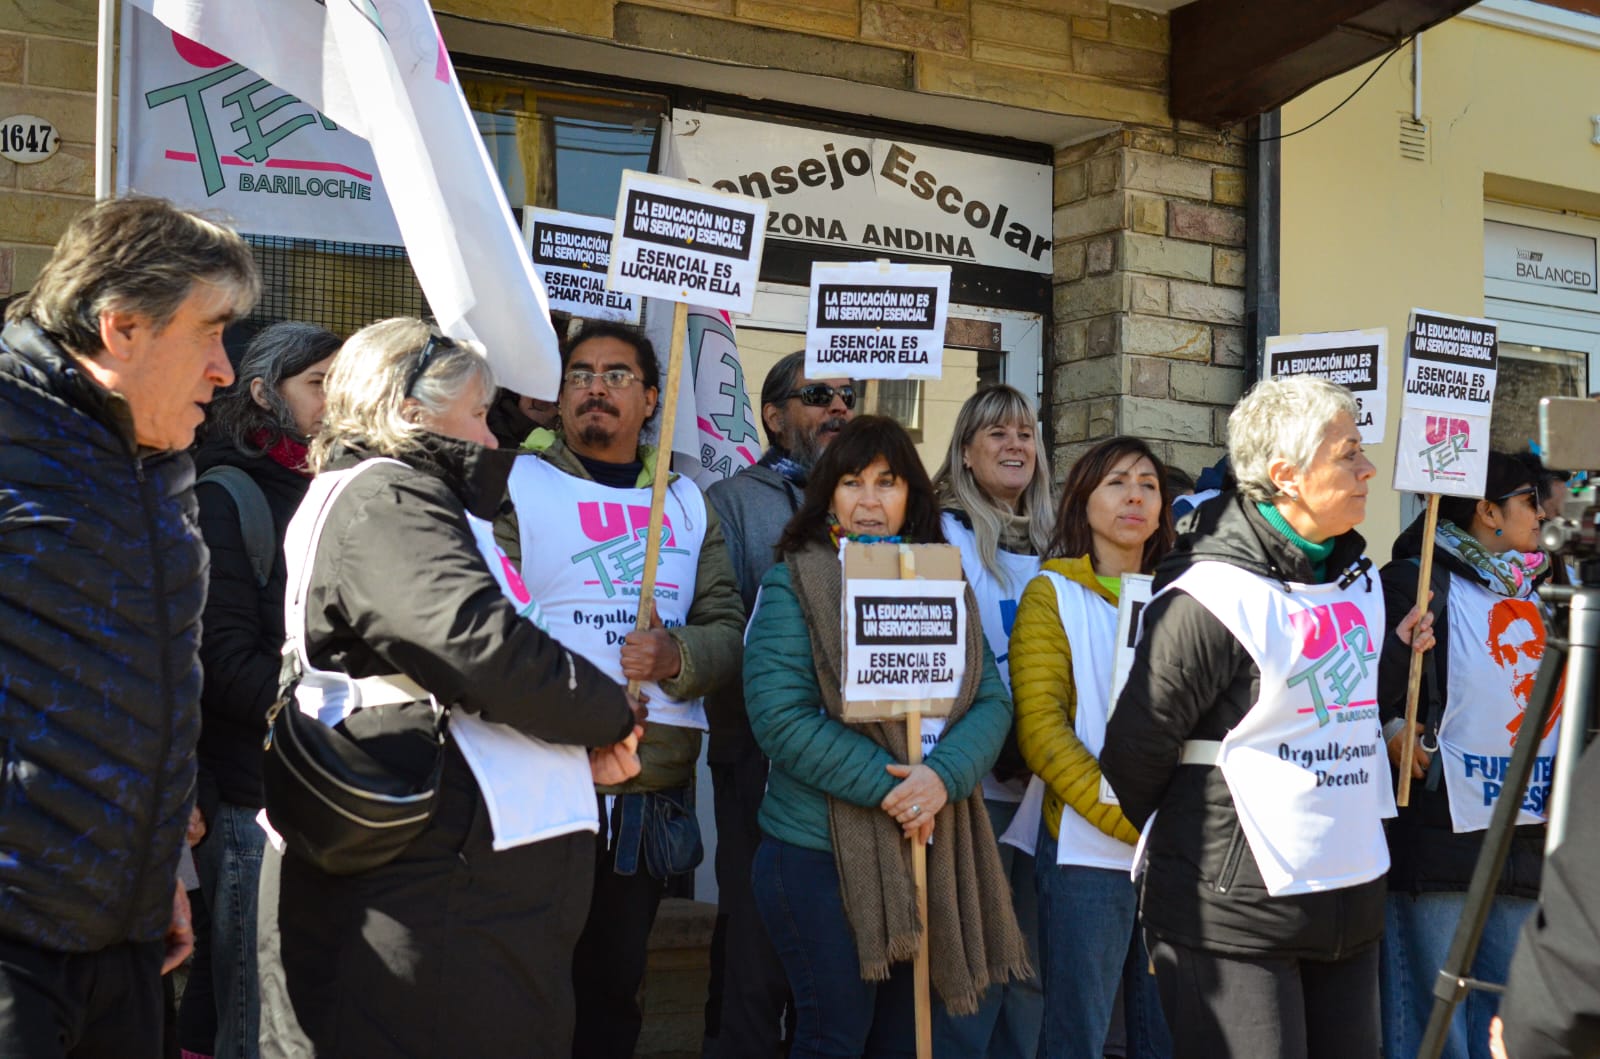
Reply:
x=1262, y=197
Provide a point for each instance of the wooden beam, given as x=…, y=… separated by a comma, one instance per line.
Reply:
x=1234, y=59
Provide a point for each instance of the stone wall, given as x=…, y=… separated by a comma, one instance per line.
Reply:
x=47, y=68
x=1149, y=292
x=1149, y=221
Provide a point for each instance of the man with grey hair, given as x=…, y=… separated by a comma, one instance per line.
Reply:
x=105, y=367
x=748, y=988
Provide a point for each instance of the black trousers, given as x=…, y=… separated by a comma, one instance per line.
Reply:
x=94, y=1005
x=749, y=992
x=453, y=949
x=609, y=963
x=1265, y=1007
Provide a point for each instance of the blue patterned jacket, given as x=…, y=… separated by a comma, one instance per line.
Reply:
x=102, y=578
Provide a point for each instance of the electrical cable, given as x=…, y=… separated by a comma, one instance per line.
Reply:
x=1284, y=136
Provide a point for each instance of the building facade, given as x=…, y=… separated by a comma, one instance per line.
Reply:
x=1469, y=185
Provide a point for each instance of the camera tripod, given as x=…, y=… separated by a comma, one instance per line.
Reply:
x=1572, y=651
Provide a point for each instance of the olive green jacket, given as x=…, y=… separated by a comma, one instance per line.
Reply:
x=709, y=642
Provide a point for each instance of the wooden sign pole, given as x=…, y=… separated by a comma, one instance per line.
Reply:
x=658, y=489
x=919, y=864
x=1430, y=523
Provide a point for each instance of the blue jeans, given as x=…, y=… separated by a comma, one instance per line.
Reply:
x=1006, y=1025
x=837, y=1014
x=1416, y=943
x=1089, y=946
x=229, y=865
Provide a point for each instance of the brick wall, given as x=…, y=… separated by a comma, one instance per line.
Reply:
x=1149, y=292
x=47, y=68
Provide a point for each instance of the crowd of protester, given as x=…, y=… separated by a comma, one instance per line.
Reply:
x=444, y=577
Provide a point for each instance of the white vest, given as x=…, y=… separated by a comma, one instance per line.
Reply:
x=997, y=609
x=1495, y=647
x=1091, y=627
x=1306, y=765
x=533, y=790
x=583, y=547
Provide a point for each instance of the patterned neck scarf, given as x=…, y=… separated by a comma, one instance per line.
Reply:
x=1512, y=574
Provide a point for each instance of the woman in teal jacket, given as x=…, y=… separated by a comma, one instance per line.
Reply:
x=832, y=876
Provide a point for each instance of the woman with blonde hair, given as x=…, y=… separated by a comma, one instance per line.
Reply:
x=462, y=943
x=994, y=492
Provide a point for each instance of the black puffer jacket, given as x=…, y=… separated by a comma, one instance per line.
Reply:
x=1426, y=854
x=1192, y=679
x=240, y=652
x=102, y=578
x=399, y=585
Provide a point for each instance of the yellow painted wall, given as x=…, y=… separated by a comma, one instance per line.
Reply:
x=1368, y=235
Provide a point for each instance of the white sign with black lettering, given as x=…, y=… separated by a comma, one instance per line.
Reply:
x=1356, y=360
x=1450, y=363
x=904, y=640
x=678, y=241
x=572, y=254
x=1134, y=596
x=877, y=321
x=1445, y=405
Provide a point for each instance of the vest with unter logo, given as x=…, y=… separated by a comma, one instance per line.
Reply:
x=583, y=550
x=1307, y=765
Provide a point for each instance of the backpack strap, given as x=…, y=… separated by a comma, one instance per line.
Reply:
x=255, y=517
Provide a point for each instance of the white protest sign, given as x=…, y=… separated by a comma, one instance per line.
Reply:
x=1136, y=592
x=875, y=320
x=678, y=241
x=1447, y=396
x=572, y=253
x=905, y=641
x=1356, y=360
x=1450, y=363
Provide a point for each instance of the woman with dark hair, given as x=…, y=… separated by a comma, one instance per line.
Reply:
x=1114, y=519
x=1249, y=720
x=1491, y=633
x=252, y=477
x=832, y=877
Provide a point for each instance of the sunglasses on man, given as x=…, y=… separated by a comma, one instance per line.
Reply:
x=821, y=395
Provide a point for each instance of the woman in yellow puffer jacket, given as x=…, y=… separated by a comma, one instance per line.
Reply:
x=1113, y=519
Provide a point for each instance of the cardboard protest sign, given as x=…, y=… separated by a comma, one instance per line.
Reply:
x=905, y=640
x=1356, y=360
x=876, y=320
x=1447, y=396
x=679, y=241
x=572, y=254
x=1135, y=595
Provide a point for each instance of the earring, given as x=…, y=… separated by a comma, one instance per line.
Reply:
x=1499, y=532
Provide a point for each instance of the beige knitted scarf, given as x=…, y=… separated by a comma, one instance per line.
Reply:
x=974, y=940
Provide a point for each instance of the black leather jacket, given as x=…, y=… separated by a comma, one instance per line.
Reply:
x=102, y=578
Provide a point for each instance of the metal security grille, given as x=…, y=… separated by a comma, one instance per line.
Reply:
x=341, y=286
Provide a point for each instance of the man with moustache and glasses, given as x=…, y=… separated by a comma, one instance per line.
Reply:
x=577, y=526
x=748, y=988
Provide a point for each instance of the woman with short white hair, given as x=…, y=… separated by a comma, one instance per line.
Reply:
x=461, y=943
x=1250, y=722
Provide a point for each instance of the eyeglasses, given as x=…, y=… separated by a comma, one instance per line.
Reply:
x=1527, y=490
x=615, y=379
x=436, y=344
x=821, y=395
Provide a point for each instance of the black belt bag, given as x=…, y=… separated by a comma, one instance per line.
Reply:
x=336, y=805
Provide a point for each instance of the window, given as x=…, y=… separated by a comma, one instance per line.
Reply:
x=560, y=147
x=1525, y=374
